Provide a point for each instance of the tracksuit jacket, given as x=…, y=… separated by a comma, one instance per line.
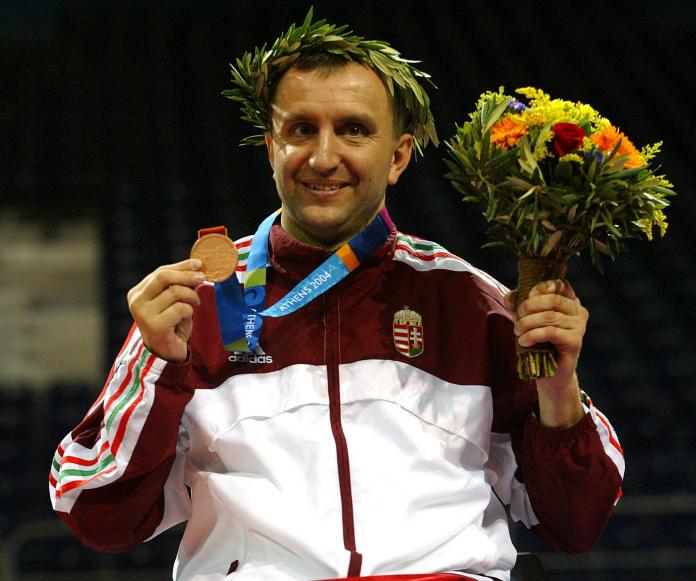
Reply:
x=380, y=429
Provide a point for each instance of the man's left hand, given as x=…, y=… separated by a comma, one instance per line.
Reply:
x=552, y=313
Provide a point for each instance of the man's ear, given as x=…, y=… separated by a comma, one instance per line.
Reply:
x=269, y=146
x=401, y=158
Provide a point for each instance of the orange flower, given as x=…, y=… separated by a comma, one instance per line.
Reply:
x=607, y=138
x=506, y=132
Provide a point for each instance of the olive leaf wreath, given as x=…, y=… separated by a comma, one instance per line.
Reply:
x=255, y=72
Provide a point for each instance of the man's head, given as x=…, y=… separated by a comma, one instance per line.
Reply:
x=257, y=74
x=334, y=150
x=341, y=116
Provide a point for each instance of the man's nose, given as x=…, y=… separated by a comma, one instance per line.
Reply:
x=325, y=154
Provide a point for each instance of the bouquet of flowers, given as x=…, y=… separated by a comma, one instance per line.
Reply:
x=554, y=178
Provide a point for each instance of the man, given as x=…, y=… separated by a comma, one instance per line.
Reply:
x=378, y=428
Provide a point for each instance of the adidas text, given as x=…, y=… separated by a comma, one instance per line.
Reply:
x=241, y=357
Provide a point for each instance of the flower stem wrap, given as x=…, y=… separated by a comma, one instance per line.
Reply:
x=538, y=360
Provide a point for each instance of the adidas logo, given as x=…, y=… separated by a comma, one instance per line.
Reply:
x=243, y=357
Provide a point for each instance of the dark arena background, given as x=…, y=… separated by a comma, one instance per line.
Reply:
x=116, y=146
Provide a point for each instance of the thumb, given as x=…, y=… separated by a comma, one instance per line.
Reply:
x=510, y=300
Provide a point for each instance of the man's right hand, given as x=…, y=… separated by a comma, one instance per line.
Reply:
x=162, y=306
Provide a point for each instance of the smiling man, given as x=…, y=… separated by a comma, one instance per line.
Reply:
x=349, y=406
x=335, y=146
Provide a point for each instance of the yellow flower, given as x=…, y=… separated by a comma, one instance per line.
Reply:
x=533, y=94
x=658, y=219
x=571, y=157
x=543, y=110
x=541, y=149
x=645, y=224
x=506, y=132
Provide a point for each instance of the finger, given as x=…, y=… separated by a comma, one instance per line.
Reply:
x=174, y=294
x=565, y=340
x=174, y=314
x=550, y=302
x=548, y=319
x=185, y=272
x=163, y=278
x=556, y=286
x=188, y=264
x=510, y=300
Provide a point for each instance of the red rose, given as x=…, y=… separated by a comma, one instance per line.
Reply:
x=567, y=137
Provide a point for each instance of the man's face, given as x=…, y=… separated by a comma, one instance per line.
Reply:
x=333, y=151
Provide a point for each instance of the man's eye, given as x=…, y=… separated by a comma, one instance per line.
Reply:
x=355, y=130
x=302, y=130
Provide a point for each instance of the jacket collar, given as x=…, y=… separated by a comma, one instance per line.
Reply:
x=289, y=256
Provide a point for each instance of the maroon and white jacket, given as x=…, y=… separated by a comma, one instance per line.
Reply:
x=382, y=429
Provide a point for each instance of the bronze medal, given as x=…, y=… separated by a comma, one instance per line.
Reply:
x=218, y=255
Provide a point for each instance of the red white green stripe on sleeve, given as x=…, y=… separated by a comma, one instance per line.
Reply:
x=131, y=343
x=243, y=247
x=609, y=439
x=425, y=255
x=423, y=249
x=122, y=409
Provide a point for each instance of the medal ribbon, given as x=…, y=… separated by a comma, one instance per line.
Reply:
x=241, y=312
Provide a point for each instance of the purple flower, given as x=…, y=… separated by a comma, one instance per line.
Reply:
x=597, y=154
x=517, y=106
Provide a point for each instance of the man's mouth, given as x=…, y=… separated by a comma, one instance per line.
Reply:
x=324, y=186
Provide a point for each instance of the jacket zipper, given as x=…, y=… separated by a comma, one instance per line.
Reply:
x=332, y=331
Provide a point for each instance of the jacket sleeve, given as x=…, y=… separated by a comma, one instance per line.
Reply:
x=118, y=475
x=562, y=483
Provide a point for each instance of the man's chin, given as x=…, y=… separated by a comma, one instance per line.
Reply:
x=325, y=233
x=327, y=227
